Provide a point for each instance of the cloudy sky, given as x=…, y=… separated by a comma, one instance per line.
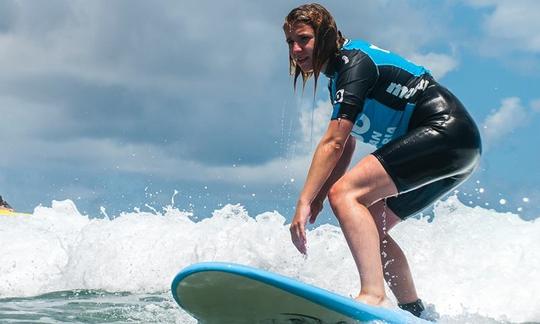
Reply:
x=122, y=104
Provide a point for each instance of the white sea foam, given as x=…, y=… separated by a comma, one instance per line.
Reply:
x=470, y=262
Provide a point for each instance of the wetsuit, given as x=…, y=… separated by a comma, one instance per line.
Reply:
x=425, y=139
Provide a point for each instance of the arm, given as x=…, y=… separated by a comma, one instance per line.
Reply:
x=327, y=154
x=355, y=77
x=338, y=172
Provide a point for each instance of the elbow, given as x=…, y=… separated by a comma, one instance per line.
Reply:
x=335, y=144
x=337, y=136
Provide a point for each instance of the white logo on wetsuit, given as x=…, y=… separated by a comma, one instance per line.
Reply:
x=345, y=59
x=339, y=96
x=378, y=48
x=402, y=91
x=362, y=126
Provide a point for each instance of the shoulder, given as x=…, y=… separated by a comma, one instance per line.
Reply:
x=353, y=62
x=383, y=58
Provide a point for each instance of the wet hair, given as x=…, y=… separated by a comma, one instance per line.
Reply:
x=328, y=38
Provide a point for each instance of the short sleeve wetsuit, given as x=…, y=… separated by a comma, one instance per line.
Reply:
x=425, y=139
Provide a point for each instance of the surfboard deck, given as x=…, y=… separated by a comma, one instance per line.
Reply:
x=215, y=292
x=6, y=212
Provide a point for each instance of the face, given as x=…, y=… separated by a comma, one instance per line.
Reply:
x=301, y=40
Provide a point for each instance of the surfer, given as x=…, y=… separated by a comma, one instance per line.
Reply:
x=4, y=205
x=426, y=145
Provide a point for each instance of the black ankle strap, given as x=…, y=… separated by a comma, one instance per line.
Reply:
x=416, y=308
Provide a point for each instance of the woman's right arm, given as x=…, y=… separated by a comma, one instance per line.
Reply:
x=325, y=159
x=337, y=173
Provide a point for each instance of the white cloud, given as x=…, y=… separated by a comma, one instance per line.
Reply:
x=399, y=26
x=504, y=120
x=511, y=26
x=518, y=22
x=167, y=47
x=26, y=123
x=439, y=64
x=106, y=155
x=143, y=88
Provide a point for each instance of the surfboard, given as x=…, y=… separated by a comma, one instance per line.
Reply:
x=215, y=292
x=7, y=212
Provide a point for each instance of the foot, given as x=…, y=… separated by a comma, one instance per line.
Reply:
x=374, y=300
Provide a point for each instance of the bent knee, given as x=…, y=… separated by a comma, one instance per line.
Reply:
x=342, y=194
x=337, y=194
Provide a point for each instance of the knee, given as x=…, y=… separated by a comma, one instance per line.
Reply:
x=344, y=196
x=337, y=195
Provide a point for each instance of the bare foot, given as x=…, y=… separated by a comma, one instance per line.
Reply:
x=374, y=300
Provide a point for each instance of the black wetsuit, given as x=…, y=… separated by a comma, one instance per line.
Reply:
x=426, y=140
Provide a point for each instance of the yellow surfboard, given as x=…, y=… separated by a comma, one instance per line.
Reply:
x=7, y=212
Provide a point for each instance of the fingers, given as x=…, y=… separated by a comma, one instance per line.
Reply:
x=298, y=236
x=300, y=246
x=298, y=228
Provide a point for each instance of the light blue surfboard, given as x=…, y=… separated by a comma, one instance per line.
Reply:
x=215, y=292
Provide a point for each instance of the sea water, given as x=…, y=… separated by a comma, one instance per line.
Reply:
x=473, y=265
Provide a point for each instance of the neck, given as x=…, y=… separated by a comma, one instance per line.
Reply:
x=324, y=67
x=328, y=67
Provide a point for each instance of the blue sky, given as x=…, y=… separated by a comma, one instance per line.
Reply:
x=121, y=104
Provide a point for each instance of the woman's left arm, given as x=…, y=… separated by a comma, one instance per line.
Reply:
x=325, y=159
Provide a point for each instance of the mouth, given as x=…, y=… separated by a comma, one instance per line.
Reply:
x=301, y=60
x=304, y=63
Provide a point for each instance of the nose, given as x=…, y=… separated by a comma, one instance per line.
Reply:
x=296, y=48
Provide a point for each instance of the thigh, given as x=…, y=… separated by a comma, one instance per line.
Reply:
x=412, y=202
x=367, y=181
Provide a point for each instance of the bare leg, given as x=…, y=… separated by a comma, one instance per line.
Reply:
x=365, y=184
x=361, y=235
x=395, y=266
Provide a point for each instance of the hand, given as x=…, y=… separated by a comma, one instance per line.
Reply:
x=298, y=225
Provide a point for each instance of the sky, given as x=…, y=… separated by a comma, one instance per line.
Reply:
x=123, y=105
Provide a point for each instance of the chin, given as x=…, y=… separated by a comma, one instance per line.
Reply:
x=307, y=69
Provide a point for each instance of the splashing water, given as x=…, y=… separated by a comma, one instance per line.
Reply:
x=475, y=265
